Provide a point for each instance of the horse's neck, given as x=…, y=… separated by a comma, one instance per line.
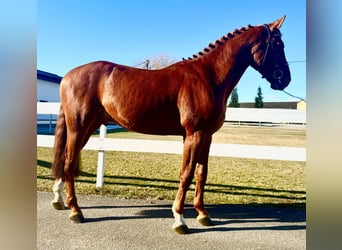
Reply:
x=228, y=62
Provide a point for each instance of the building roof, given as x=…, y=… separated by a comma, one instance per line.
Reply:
x=42, y=75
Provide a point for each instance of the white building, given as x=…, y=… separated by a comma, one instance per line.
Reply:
x=47, y=87
x=47, y=91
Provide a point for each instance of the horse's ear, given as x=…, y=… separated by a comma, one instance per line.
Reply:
x=277, y=23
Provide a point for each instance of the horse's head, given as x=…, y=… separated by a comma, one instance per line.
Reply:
x=269, y=57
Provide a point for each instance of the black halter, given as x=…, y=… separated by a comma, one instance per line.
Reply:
x=277, y=73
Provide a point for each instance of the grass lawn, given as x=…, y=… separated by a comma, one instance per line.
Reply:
x=271, y=136
x=230, y=180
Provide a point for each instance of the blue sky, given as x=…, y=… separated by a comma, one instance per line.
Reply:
x=71, y=33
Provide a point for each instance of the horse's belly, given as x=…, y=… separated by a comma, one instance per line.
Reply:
x=164, y=122
x=159, y=126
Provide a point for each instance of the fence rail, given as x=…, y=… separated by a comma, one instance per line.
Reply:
x=103, y=144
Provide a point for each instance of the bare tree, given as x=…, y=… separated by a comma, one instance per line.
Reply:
x=158, y=62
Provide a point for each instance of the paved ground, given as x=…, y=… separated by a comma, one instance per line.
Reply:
x=146, y=224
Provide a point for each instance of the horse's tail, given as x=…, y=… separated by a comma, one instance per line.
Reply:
x=59, y=147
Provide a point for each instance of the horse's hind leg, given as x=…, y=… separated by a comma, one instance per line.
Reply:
x=71, y=169
x=59, y=161
x=57, y=202
x=76, y=140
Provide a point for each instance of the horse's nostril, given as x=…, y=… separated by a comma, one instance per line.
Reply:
x=278, y=74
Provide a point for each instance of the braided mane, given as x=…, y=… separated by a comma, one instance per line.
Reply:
x=220, y=42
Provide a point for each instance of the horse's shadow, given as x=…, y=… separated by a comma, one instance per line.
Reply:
x=224, y=217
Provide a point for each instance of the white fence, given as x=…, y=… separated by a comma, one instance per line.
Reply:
x=48, y=108
x=281, y=116
x=103, y=144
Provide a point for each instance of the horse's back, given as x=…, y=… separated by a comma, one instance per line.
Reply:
x=139, y=100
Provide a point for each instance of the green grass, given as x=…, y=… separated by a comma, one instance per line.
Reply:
x=230, y=180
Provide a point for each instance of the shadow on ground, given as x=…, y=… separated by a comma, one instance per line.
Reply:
x=222, y=216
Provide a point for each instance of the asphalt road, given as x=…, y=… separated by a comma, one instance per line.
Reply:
x=112, y=223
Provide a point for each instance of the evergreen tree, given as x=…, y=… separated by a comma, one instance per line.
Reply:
x=234, y=99
x=258, y=99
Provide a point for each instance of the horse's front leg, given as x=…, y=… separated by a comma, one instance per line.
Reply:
x=57, y=202
x=191, y=150
x=201, y=175
x=201, y=178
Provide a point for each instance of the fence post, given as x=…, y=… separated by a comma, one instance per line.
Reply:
x=100, y=159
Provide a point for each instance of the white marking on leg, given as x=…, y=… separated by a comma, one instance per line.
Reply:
x=179, y=220
x=58, y=191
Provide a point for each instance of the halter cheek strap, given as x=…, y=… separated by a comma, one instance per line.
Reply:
x=268, y=44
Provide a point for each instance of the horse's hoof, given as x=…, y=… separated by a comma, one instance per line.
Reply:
x=58, y=205
x=76, y=217
x=205, y=221
x=181, y=229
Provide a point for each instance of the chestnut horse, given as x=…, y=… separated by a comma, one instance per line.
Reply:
x=187, y=98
